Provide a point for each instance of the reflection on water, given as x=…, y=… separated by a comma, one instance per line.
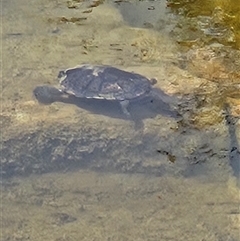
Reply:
x=89, y=173
x=218, y=20
x=146, y=14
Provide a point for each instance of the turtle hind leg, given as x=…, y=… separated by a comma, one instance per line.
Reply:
x=124, y=105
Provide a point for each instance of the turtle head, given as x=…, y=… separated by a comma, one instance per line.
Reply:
x=153, y=81
x=46, y=94
x=62, y=75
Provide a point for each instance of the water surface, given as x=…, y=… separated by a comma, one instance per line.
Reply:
x=83, y=171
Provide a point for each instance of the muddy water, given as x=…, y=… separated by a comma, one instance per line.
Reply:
x=81, y=170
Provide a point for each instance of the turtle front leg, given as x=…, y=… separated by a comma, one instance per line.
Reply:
x=124, y=104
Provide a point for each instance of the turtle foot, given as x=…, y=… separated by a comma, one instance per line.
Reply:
x=124, y=104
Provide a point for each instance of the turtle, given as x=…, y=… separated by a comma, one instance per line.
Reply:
x=97, y=82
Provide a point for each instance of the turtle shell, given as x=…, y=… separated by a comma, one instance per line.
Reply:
x=103, y=82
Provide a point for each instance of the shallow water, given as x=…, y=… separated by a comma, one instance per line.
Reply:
x=80, y=170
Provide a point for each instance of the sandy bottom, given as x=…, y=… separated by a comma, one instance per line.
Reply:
x=39, y=39
x=91, y=206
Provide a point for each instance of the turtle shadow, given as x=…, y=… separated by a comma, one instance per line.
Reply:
x=139, y=109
